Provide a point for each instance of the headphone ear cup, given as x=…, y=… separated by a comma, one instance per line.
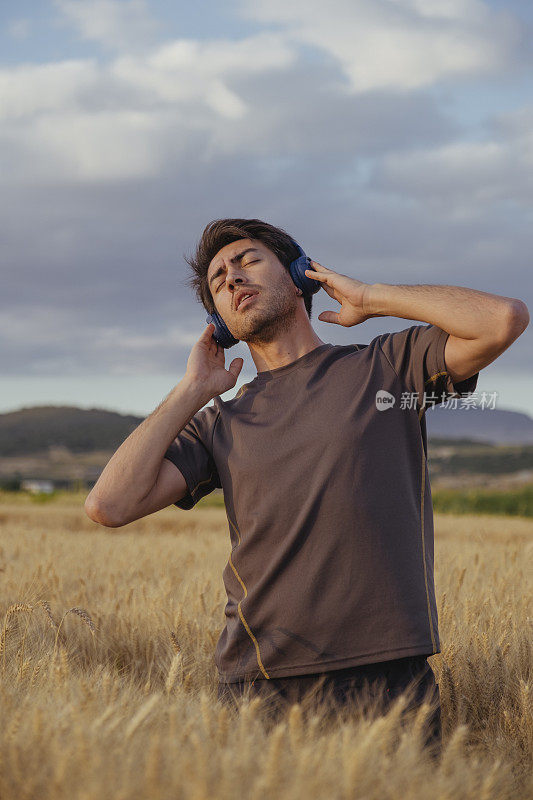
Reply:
x=297, y=270
x=221, y=334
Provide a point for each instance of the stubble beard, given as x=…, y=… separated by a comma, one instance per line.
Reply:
x=275, y=316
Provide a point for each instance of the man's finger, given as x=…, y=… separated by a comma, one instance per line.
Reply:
x=317, y=276
x=329, y=316
x=236, y=366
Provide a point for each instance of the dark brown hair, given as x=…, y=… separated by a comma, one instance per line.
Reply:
x=219, y=233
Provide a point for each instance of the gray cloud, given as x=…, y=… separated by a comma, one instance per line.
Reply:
x=406, y=44
x=113, y=169
x=114, y=24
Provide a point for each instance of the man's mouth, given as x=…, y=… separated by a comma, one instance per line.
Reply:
x=246, y=300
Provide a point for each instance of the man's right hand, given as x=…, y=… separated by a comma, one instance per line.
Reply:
x=206, y=366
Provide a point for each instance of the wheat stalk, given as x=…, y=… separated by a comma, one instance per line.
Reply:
x=449, y=689
x=141, y=715
x=276, y=749
x=176, y=668
x=295, y=723
x=36, y=669
x=46, y=606
x=13, y=609
x=84, y=616
x=80, y=612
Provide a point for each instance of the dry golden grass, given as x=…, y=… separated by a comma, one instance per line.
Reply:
x=108, y=684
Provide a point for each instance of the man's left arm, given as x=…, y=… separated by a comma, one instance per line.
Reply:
x=481, y=325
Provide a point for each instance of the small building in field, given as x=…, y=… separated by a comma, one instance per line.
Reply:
x=36, y=486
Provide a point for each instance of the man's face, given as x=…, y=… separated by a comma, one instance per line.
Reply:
x=247, y=265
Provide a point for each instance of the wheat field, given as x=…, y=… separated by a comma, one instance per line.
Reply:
x=108, y=683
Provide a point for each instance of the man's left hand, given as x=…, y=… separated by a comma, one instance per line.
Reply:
x=351, y=293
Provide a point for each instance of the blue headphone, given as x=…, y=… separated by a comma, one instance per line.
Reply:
x=297, y=271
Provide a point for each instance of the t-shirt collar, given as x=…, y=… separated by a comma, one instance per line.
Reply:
x=299, y=362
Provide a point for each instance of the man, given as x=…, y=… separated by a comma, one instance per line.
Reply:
x=322, y=463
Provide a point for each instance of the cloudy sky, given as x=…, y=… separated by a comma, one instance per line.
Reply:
x=392, y=138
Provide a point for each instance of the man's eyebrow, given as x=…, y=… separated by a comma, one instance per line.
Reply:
x=233, y=261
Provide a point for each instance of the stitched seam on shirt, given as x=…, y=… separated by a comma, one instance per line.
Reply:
x=213, y=431
x=422, y=492
x=206, y=480
x=241, y=615
x=212, y=438
x=405, y=388
x=435, y=376
x=244, y=388
x=444, y=334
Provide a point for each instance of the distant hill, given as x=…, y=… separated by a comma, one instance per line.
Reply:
x=37, y=429
x=495, y=426
x=33, y=430
x=67, y=444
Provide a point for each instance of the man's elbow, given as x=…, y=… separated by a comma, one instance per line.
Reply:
x=97, y=513
x=515, y=322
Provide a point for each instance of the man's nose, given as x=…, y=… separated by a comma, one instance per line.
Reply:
x=235, y=280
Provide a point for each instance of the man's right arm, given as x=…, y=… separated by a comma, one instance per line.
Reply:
x=138, y=480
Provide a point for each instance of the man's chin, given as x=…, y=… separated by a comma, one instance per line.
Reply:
x=260, y=327
x=261, y=334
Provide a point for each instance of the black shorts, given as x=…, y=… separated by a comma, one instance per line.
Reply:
x=383, y=680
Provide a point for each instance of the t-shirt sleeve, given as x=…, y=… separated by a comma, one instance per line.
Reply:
x=417, y=356
x=192, y=453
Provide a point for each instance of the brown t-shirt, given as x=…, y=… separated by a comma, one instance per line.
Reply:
x=328, y=504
